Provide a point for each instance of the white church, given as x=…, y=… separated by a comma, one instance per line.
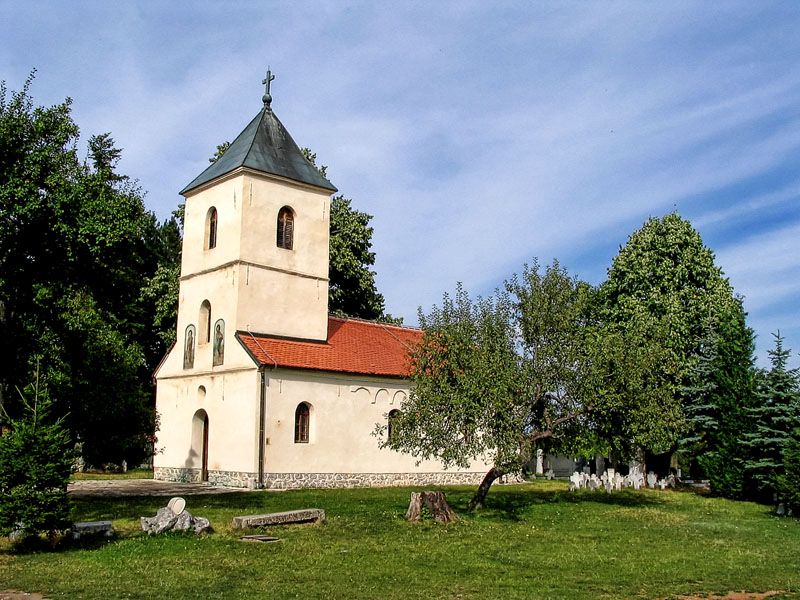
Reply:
x=263, y=387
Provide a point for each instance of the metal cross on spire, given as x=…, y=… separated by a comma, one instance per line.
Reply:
x=267, y=98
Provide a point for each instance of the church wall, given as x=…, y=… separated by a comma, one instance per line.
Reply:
x=226, y=197
x=230, y=400
x=342, y=451
x=272, y=297
x=264, y=197
x=282, y=304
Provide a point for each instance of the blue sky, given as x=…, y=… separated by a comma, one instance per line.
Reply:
x=478, y=134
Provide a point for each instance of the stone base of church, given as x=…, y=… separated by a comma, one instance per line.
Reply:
x=286, y=481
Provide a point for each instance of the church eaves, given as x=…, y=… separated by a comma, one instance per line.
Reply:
x=264, y=146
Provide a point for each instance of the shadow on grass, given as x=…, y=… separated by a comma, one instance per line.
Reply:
x=38, y=544
x=362, y=504
x=514, y=504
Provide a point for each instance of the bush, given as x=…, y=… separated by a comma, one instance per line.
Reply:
x=36, y=459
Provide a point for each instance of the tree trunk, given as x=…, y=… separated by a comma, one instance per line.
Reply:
x=436, y=504
x=483, y=488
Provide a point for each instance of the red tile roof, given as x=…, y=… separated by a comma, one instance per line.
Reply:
x=353, y=346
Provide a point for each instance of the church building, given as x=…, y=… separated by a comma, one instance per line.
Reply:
x=263, y=387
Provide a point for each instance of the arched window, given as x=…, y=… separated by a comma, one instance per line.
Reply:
x=393, y=415
x=286, y=228
x=204, y=335
x=302, y=420
x=211, y=228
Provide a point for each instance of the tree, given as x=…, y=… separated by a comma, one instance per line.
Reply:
x=35, y=464
x=788, y=484
x=494, y=377
x=776, y=417
x=73, y=255
x=665, y=281
x=718, y=403
x=161, y=289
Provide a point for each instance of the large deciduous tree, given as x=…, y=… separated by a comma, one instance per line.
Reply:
x=73, y=254
x=495, y=377
x=666, y=276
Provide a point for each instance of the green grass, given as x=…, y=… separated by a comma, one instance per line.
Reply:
x=532, y=541
x=131, y=474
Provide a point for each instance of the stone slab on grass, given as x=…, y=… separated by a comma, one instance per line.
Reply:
x=92, y=528
x=289, y=517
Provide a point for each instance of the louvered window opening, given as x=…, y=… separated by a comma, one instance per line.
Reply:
x=212, y=229
x=285, y=229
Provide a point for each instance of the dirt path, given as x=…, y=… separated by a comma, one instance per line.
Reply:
x=116, y=488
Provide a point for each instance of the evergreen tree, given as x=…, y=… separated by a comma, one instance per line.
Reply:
x=776, y=417
x=788, y=483
x=35, y=464
x=717, y=403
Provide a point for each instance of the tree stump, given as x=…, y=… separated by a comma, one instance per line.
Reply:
x=435, y=503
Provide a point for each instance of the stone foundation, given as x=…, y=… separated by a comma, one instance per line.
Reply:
x=286, y=481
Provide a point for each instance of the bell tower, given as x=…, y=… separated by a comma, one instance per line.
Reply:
x=255, y=247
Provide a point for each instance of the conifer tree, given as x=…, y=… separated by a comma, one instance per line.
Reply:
x=789, y=482
x=775, y=418
x=717, y=403
x=35, y=464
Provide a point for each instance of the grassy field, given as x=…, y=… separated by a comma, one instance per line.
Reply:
x=533, y=541
x=130, y=474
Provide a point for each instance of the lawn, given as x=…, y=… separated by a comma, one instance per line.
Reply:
x=129, y=474
x=533, y=541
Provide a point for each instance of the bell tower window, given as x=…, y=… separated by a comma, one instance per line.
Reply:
x=286, y=228
x=211, y=228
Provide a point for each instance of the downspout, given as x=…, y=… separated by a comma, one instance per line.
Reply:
x=262, y=418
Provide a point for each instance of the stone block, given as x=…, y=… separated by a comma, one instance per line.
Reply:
x=92, y=528
x=306, y=515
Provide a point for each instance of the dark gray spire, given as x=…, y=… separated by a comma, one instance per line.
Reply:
x=264, y=146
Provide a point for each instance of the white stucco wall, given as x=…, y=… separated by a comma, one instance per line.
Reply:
x=230, y=401
x=345, y=411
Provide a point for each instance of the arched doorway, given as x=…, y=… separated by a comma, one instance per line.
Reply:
x=200, y=442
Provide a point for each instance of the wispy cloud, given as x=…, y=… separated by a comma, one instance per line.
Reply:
x=478, y=135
